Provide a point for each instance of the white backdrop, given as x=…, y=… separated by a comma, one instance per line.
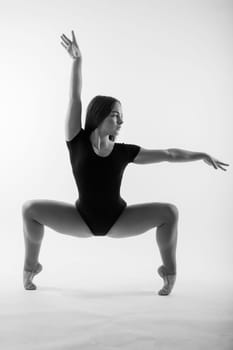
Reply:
x=170, y=64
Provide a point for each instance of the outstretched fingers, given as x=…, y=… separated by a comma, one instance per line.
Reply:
x=63, y=45
x=220, y=166
x=74, y=38
x=66, y=40
x=216, y=163
x=213, y=163
x=223, y=163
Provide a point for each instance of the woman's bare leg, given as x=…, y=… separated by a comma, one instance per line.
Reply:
x=33, y=235
x=166, y=237
x=59, y=216
x=167, y=242
x=64, y=218
x=138, y=219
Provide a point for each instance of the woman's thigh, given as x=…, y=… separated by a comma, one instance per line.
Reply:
x=139, y=218
x=59, y=216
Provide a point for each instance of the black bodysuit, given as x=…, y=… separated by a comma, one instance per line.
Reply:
x=98, y=180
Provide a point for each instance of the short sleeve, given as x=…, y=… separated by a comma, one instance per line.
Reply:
x=131, y=151
x=72, y=143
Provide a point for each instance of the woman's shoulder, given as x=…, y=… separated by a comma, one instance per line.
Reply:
x=129, y=149
x=77, y=133
x=80, y=136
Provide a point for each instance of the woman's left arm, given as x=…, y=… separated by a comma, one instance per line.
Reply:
x=180, y=155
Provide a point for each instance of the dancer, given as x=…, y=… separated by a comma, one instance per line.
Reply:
x=98, y=164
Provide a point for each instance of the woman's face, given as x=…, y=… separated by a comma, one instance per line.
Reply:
x=112, y=123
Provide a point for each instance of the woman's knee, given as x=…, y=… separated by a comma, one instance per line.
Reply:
x=171, y=212
x=27, y=208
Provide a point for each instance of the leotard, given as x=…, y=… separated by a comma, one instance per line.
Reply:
x=98, y=180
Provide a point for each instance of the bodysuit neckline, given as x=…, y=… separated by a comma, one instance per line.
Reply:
x=97, y=155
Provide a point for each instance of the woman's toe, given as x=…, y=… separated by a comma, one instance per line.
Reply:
x=30, y=286
x=163, y=291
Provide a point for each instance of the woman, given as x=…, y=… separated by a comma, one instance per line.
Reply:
x=98, y=163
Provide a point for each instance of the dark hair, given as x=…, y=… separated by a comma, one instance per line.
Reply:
x=97, y=110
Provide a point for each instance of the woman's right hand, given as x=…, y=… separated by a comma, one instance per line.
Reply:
x=71, y=46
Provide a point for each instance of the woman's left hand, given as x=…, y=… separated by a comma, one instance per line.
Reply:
x=214, y=162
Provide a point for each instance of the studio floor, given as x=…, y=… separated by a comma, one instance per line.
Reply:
x=129, y=316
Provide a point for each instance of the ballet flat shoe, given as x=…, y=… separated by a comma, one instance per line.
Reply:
x=169, y=281
x=29, y=285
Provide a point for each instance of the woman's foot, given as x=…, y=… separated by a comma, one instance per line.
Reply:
x=29, y=275
x=169, y=281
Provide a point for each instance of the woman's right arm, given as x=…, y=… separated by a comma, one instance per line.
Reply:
x=73, y=121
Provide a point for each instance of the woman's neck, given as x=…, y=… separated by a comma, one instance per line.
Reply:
x=99, y=142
